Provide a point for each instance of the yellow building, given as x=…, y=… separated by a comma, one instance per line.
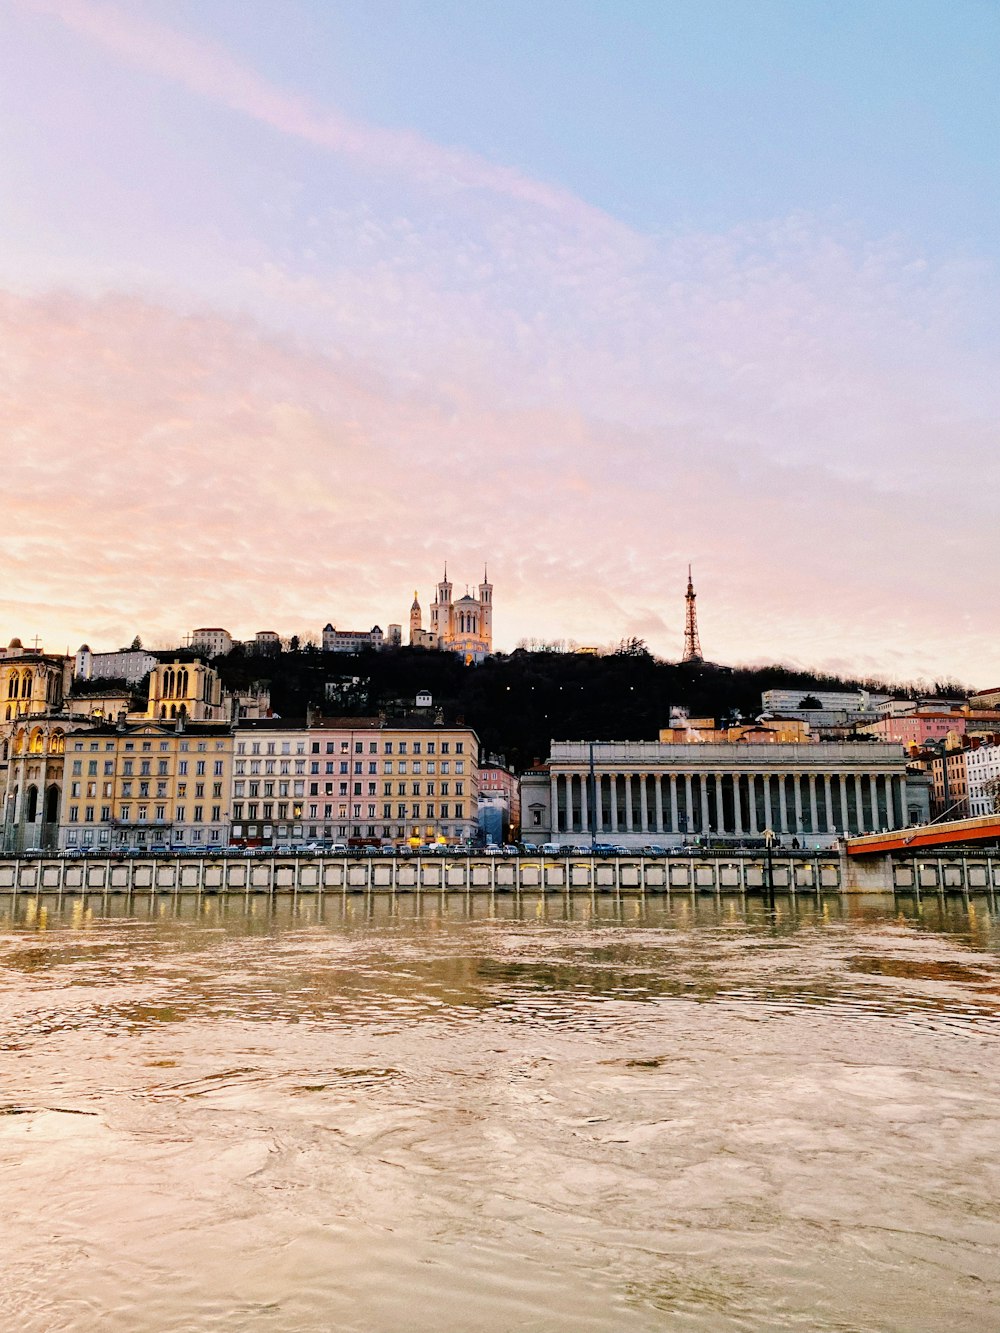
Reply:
x=148, y=784
x=464, y=626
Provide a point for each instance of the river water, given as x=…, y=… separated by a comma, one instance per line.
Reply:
x=444, y=1114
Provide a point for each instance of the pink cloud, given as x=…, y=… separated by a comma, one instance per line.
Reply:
x=212, y=73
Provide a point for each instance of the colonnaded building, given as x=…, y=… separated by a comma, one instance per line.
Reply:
x=636, y=792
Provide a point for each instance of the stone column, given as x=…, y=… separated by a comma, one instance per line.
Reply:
x=584, y=811
x=553, y=803
x=813, y=812
x=782, y=803
x=768, y=818
x=737, y=810
x=613, y=798
x=688, y=804
x=797, y=779
x=720, y=816
x=873, y=793
x=890, y=808
x=629, y=822
x=568, y=782
x=828, y=800
x=599, y=802
x=846, y=825
x=859, y=802
x=643, y=804
x=674, y=818
x=658, y=780
x=752, y=801
x=706, y=822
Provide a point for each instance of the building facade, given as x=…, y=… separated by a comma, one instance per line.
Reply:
x=147, y=785
x=351, y=641
x=130, y=665
x=360, y=780
x=634, y=792
x=464, y=626
x=982, y=766
x=212, y=641
x=917, y=728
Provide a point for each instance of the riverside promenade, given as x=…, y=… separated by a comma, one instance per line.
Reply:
x=719, y=873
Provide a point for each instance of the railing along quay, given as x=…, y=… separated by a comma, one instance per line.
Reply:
x=715, y=872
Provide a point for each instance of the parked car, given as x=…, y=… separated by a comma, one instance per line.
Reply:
x=551, y=849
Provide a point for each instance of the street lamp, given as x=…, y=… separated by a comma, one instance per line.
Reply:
x=769, y=871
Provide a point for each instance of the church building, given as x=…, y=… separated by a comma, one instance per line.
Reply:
x=464, y=627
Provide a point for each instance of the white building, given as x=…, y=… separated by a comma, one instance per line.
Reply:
x=983, y=768
x=792, y=701
x=637, y=792
x=130, y=665
x=267, y=641
x=212, y=640
x=351, y=641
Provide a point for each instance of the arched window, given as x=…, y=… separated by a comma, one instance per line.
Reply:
x=173, y=710
x=182, y=684
x=19, y=743
x=163, y=710
x=12, y=685
x=52, y=805
x=27, y=680
x=8, y=712
x=57, y=743
x=37, y=744
x=6, y=751
x=31, y=807
x=168, y=683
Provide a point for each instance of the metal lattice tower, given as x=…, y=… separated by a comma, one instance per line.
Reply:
x=692, y=644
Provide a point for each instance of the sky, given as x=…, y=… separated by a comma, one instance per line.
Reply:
x=300, y=299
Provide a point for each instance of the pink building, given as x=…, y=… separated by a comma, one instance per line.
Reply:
x=499, y=785
x=917, y=728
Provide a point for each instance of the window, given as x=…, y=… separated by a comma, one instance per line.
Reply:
x=77, y=767
x=417, y=747
x=358, y=747
x=388, y=747
x=459, y=747
x=445, y=747
x=431, y=746
x=182, y=768
x=218, y=768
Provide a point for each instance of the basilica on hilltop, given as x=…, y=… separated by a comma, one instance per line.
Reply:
x=464, y=627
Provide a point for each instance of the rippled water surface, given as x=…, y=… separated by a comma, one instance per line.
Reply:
x=447, y=1114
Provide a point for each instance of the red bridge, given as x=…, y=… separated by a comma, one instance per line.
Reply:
x=955, y=832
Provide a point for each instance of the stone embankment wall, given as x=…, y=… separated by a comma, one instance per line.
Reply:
x=816, y=873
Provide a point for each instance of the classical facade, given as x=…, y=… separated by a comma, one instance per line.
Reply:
x=636, y=792
x=464, y=626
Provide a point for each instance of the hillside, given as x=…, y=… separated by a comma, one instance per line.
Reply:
x=519, y=702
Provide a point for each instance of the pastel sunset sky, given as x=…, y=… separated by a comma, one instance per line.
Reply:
x=300, y=298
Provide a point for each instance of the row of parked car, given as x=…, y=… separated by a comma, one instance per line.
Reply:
x=313, y=849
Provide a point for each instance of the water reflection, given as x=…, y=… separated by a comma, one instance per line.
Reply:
x=454, y=1111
